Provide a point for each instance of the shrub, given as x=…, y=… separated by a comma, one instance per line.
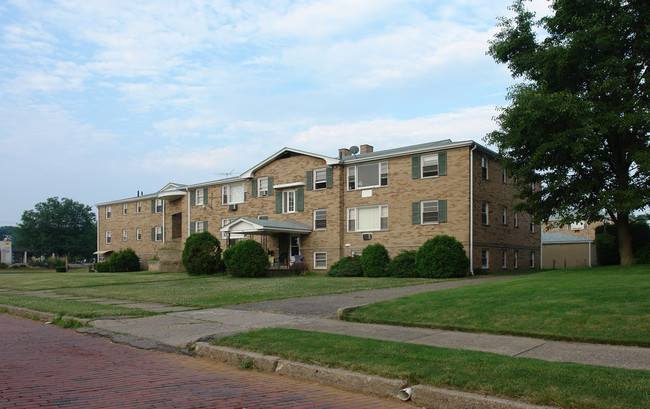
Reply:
x=642, y=256
x=441, y=257
x=202, y=254
x=403, y=265
x=61, y=269
x=103, y=267
x=346, y=267
x=124, y=260
x=374, y=260
x=4, y=265
x=247, y=259
x=299, y=267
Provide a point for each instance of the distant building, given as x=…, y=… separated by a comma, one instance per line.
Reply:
x=564, y=250
x=321, y=208
x=5, y=250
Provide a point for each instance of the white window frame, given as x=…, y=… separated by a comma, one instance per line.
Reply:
x=353, y=218
x=485, y=259
x=262, y=191
x=322, y=263
x=138, y=234
x=504, y=175
x=262, y=217
x=158, y=206
x=532, y=225
x=485, y=213
x=289, y=201
x=353, y=176
x=108, y=237
x=226, y=193
x=504, y=255
x=198, y=226
x=199, y=200
x=432, y=161
x=138, y=207
x=425, y=203
x=532, y=259
x=484, y=167
x=504, y=216
x=515, y=259
x=323, y=216
x=320, y=178
x=124, y=209
x=109, y=211
x=516, y=220
x=158, y=233
x=124, y=235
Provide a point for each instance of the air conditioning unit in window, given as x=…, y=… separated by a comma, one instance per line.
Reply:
x=232, y=207
x=366, y=236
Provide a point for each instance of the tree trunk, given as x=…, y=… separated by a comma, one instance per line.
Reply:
x=625, y=240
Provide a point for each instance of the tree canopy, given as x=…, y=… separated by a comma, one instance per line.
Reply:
x=578, y=125
x=58, y=226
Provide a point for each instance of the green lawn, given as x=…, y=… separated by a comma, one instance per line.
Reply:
x=564, y=385
x=600, y=305
x=202, y=292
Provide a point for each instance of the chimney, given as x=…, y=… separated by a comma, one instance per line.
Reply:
x=344, y=152
x=366, y=148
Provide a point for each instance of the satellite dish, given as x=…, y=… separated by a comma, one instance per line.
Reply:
x=354, y=150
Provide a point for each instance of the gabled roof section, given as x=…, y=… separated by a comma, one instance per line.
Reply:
x=171, y=186
x=413, y=150
x=256, y=226
x=285, y=153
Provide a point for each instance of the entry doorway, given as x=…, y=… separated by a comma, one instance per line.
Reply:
x=294, y=244
x=177, y=226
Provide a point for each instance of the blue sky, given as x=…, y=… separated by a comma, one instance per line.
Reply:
x=101, y=99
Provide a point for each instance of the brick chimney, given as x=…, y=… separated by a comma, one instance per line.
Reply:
x=344, y=152
x=366, y=148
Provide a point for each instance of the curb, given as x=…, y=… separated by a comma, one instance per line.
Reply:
x=39, y=315
x=421, y=395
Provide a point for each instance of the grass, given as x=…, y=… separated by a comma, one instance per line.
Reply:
x=598, y=305
x=564, y=385
x=70, y=308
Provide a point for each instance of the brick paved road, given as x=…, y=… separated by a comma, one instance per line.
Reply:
x=42, y=366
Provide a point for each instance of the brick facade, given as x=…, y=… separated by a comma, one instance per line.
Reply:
x=401, y=193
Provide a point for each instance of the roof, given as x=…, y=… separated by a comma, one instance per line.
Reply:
x=248, y=225
x=564, y=238
x=413, y=149
x=284, y=152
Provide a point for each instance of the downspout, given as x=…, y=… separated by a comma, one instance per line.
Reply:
x=163, y=226
x=189, y=210
x=541, y=247
x=589, y=254
x=471, y=210
x=97, y=234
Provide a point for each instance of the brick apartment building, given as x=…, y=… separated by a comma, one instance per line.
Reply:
x=324, y=208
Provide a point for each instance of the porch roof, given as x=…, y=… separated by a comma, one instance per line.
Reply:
x=245, y=225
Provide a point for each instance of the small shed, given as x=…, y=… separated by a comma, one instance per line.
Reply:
x=563, y=250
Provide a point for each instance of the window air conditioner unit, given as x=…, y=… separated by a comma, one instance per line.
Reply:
x=232, y=207
x=366, y=236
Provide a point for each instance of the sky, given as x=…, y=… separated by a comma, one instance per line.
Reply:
x=101, y=99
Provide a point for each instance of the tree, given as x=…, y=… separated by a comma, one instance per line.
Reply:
x=58, y=226
x=7, y=231
x=578, y=126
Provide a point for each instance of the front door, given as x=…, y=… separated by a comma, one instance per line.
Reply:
x=295, y=246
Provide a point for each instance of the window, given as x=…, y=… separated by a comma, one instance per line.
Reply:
x=484, y=167
x=262, y=187
x=516, y=220
x=138, y=207
x=200, y=200
x=124, y=235
x=157, y=233
x=263, y=217
x=430, y=212
x=157, y=206
x=199, y=227
x=108, y=212
x=504, y=216
x=232, y=194
x=484, y=213
x=289, y=201
x=138, y=234
x=504, y=175
x=484, y=259
x=368, y=218
x=532, y=225
x=124, y=206
x=515, y=256
x=108, y=237
x=320, y=178
x=367, y=176
x=532, y=259
x=320, y=260
x=429, y=166
x=320, y=219
x=504, y=259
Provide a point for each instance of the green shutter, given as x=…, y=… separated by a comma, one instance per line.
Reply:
x=416, y=213
x=205, y=195
x=442, y=164
x=442, y=211
x=270, y=185
x=278, y=202
x=205, y=225
x=153, y=234
x=192, y=197
x=300, y=199
x=330, y=177
x=153, y=205
x=192, y=228
x=415, y=167
x=310, y=179
x=254, y=188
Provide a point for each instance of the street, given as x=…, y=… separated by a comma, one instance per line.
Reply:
x=44, y=366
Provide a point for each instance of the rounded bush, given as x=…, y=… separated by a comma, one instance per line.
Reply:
x=442, y=257
x=346, y=267
x=403, y=265
x=124, y=260
x=202, y=254
x=374, y=260
x=246, y=259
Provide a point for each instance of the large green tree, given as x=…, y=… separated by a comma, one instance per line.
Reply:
x=58, y=226
x=578, y=124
